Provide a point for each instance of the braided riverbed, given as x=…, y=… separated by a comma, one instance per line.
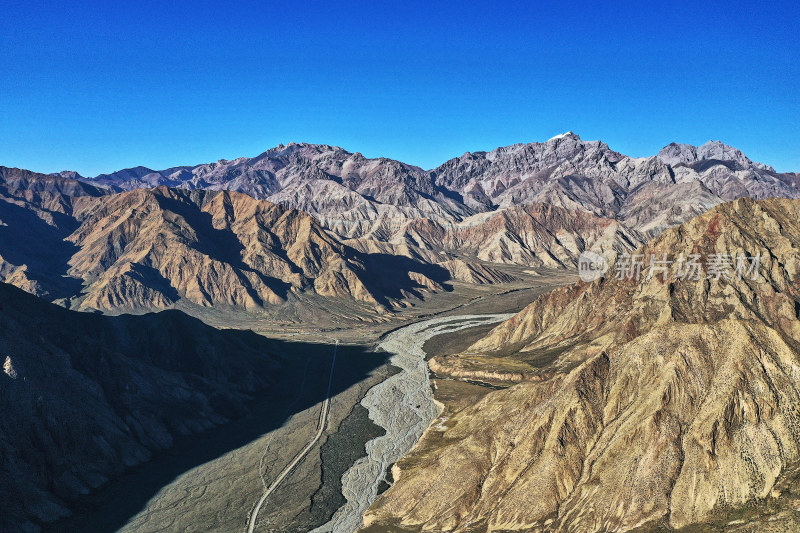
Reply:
x=403, y=405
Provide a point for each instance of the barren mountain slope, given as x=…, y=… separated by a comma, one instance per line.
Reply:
x=537, y=235
x=149, y=248
x=83, y=396
x=319, y=179
x=659, y=402
x=210, y=248
x=181, y=245
x=36, y=215
x=533, y=235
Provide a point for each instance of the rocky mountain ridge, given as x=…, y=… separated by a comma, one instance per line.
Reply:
x=357, y=197
x=538, y=204
x=149, y=248
x=642, y=404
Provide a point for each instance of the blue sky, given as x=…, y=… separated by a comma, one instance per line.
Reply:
x=99, y=86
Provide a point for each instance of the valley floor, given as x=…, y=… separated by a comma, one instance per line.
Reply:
x=211, y=482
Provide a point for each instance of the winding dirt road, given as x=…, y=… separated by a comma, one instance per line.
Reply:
x=323, y=422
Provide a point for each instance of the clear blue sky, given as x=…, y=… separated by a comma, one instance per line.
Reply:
x=99, y=86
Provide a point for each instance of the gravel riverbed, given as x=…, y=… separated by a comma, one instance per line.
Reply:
x=403, y=405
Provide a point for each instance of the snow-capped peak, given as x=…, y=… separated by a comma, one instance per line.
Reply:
x=566, y=134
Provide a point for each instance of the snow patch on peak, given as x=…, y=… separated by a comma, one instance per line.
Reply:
x=561, y=136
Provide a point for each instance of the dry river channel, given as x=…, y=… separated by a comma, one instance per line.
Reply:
x=403, y=406
x=312, y=455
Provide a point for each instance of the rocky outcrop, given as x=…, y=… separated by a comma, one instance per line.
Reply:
x=659, y=402
x=454, y=368
x=676, y=154
x=85, y=396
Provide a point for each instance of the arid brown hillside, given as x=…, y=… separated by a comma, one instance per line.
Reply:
x=36, y=215
x=157, y=245
x=534, y=235
x=661, y=402
x=149, y=248
x=769, y=229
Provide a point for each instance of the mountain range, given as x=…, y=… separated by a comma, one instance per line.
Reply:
x=315, y=220
x=619, y=404
x=149, y=248
x=356, y=197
